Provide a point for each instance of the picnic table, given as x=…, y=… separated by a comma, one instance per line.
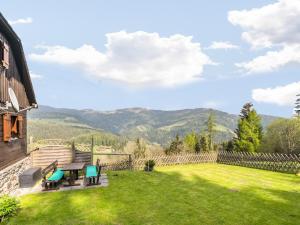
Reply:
x=73, y=168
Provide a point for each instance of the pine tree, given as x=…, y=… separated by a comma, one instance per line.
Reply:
x=210, y=130
x=249, y=131
x=197, y=147
x=176, y=146
x=297, y=106
x=204, y=146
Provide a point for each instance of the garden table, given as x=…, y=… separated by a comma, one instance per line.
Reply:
x=73, y=168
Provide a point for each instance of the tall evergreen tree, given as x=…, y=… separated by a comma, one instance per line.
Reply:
x=297, y=106
x=210, y=130
x=249, y=131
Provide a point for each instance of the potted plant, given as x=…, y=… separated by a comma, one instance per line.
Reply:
x=149, y=165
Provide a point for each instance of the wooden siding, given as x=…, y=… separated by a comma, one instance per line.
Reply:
x=11, y=78
x=46, y=155
x=15, y=150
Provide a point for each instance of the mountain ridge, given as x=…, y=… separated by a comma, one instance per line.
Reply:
x=158, y=126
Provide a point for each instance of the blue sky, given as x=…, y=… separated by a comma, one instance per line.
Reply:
x=107, y=55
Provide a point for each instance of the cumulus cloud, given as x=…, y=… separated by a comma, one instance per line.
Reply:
x=222, y=45
x=272, y=60
x=137, y=58
x=21, y=21
x=281, y=95
x=273, y=25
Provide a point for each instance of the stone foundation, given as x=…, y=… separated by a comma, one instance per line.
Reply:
x=9, y=177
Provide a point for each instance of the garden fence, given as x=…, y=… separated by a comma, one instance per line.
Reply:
x=177, y=159
x=288, y=163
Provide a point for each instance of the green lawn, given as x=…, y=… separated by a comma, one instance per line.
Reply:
x=191, y=194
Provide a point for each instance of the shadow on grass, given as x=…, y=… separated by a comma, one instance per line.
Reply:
x=162, y=198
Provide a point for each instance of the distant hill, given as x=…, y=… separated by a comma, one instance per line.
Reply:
x=157, y=126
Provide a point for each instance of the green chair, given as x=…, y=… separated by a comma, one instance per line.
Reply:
x=93, y=173
x=56, y=177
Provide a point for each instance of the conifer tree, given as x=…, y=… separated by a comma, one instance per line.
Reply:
x=297, y=106
x=210, y=130
x=249, y=131
x=203, y=142
x=176, y=146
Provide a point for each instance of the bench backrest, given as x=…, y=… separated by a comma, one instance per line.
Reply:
x=51, y=168
x=98, y=169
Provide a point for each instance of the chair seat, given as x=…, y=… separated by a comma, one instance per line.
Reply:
x=57, y=175
x=91, y=171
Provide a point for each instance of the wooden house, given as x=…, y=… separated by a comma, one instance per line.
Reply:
x=14, y=80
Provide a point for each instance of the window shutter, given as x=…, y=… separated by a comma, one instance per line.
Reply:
x=6, y=55
x=6, y=127
x=20, y=126
x=14, y=124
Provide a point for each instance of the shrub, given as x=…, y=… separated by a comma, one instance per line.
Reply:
x=8, y=207
x=149, y=165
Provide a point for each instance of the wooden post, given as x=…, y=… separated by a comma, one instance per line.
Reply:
x=92, y=151
x=73, y=151
x=130, y=161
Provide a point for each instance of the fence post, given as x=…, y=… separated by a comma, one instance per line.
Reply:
x=92, y=150
x=73, y=151
x=130, y=162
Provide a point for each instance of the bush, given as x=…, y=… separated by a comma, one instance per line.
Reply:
x=149, y=165
x=8, y=207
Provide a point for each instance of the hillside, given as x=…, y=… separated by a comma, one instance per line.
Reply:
x=41, y=129
x=157, y=126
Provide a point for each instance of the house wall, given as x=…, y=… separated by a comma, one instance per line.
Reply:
x=15, y=150
x=9, y=177
x=11, y=78
x=11, y=152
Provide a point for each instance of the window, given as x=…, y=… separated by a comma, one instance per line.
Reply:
x=12, y=127
x=4, y=53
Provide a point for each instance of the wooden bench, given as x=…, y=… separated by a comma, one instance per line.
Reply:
x=56, y=177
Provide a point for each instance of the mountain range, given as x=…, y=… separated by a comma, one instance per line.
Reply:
x=156, y=126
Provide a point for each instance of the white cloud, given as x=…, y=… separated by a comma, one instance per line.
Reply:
x=21, y=21
x=273, y=25
x=35, y=76
x=281, y=95
x=272, y=60
x=222, y=45
x=138, y=58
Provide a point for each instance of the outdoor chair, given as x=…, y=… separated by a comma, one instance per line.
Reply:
x=93, y=173
x=56, y=177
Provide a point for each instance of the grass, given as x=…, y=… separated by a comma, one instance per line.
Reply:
x=189, y=194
